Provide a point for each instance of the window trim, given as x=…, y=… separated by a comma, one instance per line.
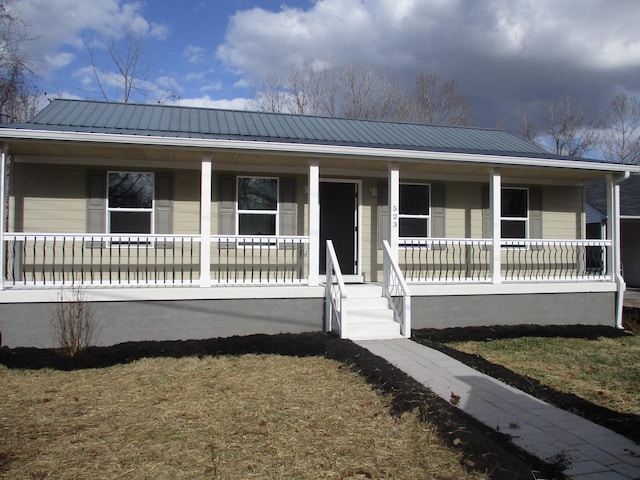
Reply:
x=428, y=216
x=275, y=213
x=151, y=210
x=526, y=219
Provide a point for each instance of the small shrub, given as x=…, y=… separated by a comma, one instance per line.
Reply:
x=73, y=322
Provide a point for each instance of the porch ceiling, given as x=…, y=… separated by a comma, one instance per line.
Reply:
x=363, y=165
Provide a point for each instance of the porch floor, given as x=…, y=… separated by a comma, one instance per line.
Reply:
x=549, y=433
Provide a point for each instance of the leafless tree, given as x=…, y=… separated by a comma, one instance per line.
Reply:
x=529, y=131
x=439, y=102
x=126, y=49
x=18, y=87
x=571, y=134
x=364, y=92
x=621, y=130
x=367, y=93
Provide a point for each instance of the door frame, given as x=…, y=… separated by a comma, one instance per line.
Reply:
x=357, y=277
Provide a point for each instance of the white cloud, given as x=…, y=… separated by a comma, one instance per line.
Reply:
x=194, y=54
x=207, y=102
x=59, y=60
x=397, y=33
x=62, y=23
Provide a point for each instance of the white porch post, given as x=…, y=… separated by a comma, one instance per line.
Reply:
x=205, y=222
x=614, y=257
x=394, y=209
x=314, y=223
x=495, y=205
x=613, y=226
x=3, y=207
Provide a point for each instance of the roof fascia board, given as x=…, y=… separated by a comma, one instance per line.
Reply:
x=313, y=150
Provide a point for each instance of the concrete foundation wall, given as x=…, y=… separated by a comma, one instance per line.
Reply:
x=532, y=309
x=27, y=324
x=24, y=324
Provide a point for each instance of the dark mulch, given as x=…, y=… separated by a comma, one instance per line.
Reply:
x=624, y=424
x=482, y=448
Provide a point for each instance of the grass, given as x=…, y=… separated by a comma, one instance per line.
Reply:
x=605, y=371
x=250, y=416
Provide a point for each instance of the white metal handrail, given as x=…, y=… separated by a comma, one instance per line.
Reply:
x=335, y=295
x=37, y=260
x=555, y=259
x=464, y=260
x=396, y=291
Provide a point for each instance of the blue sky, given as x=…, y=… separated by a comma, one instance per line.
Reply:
x=508, y=56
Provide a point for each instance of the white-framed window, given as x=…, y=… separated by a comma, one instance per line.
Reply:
x=130, y=202
x=257, y=207
x=415, y=210
x=514, y=218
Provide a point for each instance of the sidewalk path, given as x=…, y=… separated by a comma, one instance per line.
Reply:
x=590, y=451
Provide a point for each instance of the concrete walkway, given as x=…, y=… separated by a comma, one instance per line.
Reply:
x=591, y=452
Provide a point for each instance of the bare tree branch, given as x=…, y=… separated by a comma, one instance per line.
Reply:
x=364, y=92
x=126, y=49
x=18, y=89
x=570, y=133
x=621, y=125
x=440, y=103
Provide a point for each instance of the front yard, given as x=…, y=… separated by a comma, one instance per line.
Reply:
x=604, y=371
x=591, y=371
x=250, y=416
x=263, y=406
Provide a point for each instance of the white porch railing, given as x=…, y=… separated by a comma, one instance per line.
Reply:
x=454, y=260
x=555, y=260
x=446, y=260
x=335, y=295
x=59, y=260
x=396, y=291
x=258, y=260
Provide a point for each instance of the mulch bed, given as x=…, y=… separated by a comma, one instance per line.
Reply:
x=482, y=448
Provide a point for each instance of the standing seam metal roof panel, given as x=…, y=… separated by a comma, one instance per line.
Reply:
x=163, y=120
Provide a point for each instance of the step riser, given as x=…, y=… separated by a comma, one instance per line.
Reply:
x=359, y=304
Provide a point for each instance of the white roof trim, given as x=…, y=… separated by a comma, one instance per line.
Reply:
x=387, y=154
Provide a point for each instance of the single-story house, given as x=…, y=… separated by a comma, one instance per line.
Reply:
x=181, y=222
x=629, y=223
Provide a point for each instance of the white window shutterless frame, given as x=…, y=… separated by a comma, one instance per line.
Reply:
x=257, y=206
x=415, y=210
x=130, y=202
x=514, y=218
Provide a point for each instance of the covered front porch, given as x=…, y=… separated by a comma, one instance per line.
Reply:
x=254, y=273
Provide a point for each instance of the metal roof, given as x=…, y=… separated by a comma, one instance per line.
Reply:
x=200, y=123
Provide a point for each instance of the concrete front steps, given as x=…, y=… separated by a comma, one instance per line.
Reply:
x=368, y=315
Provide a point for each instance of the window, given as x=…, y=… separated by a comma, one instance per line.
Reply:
x=130, y=202
x=514, y=220
x=415, y=210
x=257, y=206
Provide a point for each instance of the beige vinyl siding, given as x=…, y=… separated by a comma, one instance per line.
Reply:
x=463, y=210
x=186, y=202
x=49, y=198
x=52, y=199
x=368, y=229
x=562, y=212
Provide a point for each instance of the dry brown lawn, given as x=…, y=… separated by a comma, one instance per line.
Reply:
x=605, y=371
x=251, y=416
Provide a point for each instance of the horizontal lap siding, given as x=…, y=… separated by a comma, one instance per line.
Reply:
x=186, y=203
x=49, y=198
x=52, y=199
x=562, y=216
